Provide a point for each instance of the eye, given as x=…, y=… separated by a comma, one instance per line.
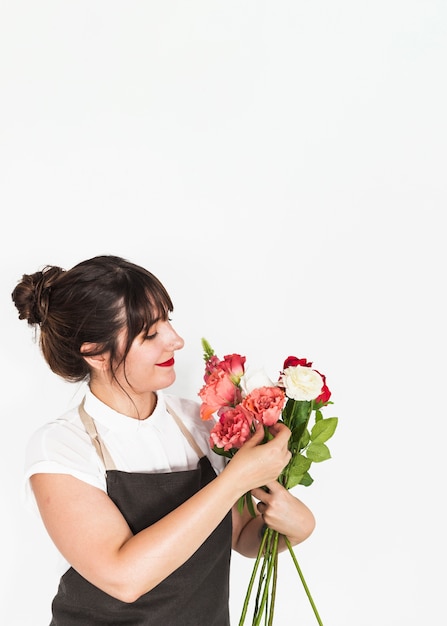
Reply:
x=150, y=332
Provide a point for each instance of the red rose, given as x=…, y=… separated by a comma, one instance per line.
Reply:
x=293, y=361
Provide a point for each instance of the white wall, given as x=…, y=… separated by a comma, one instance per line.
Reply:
x=281, y=166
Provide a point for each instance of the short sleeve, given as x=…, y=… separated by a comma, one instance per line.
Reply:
x=61, y=447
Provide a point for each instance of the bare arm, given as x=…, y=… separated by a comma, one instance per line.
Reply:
x=93, y=536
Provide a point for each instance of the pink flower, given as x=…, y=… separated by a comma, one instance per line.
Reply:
x=211, y=366
x=265, y=404
x=217, y=392
x=232, y=430
x=233, y=365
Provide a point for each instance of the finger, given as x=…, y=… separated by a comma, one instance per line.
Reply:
x=273, y=487
x=280, y=430
x=262, y=507
x=256, y=437
x=260, y=494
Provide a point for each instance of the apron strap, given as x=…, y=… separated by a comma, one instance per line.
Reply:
x=90, y=427
x=104, y=454
x=188, y=436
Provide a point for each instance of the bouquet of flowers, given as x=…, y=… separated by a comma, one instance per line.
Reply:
x=242, y=399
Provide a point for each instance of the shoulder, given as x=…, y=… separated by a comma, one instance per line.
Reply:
x=62, y=446
x=58, y=437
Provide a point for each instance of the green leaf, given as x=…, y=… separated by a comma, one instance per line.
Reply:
x=296, y=416
x=323, y=430
x=305, y=438
x=298, y=467
x=294, y=480
x=298, y=439
x=318, y=452
x=296, y=413
x=250, y=506
x=227, y=453
x=307, y=480
x=300, y=463
x=240, y=505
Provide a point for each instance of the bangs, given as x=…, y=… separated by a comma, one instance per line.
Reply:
x=146, y=303
x=154, y=309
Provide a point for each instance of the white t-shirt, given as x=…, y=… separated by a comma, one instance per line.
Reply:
x=155, y=444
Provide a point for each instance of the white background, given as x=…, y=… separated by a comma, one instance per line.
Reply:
x=281, y=166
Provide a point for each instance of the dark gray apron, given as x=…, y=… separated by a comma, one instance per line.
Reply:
x=196, y=594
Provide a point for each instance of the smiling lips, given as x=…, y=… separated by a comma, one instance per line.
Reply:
x=166, y=363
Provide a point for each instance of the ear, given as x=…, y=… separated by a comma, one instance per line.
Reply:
x=97, y=362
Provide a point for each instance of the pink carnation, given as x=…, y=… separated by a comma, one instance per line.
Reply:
x=232, y=430
x=265, y=404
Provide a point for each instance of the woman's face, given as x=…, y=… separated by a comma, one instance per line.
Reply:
x=149, y=365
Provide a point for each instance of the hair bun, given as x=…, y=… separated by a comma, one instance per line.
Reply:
x=31, y=296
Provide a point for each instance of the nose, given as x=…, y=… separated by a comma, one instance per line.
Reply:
x=179, y=342
x=175, y=341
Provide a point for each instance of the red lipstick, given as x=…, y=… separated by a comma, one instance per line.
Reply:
x=166, y=363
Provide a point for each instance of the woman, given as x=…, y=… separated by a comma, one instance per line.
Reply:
x=141, y=509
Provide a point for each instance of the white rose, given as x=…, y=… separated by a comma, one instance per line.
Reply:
x=255, y=378
x=302, y=383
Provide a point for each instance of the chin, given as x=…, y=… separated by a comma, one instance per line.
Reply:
x=167, y=381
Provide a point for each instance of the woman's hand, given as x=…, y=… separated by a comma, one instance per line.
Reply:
x=278, y=509
x=283, y=512
x=257, y=463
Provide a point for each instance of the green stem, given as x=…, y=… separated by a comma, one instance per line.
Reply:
x=306, y=588
x=252, y=579
x=262, y=575
x=261, y=579
x=270, y=556
x=274, y=587
x=294, y=419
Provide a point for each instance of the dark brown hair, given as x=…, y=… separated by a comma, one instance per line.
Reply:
x=90, y=303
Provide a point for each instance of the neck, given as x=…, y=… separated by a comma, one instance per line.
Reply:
x=131, y=404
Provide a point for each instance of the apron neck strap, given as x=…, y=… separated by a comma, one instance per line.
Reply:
x=188, y=436
x=90, y=427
